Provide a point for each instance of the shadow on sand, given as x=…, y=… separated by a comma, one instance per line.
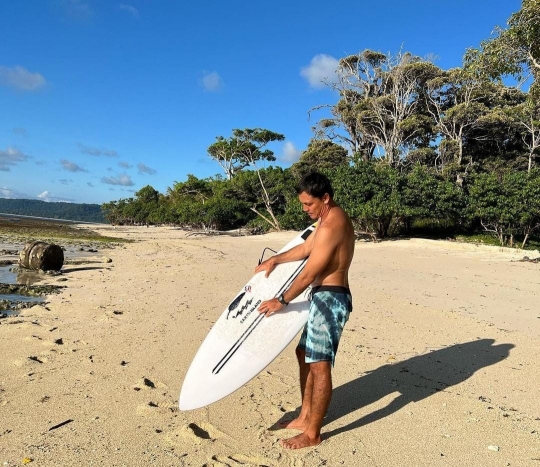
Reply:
x=86, y=268
x=415, y=379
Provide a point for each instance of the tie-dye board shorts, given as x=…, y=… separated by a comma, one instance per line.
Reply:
x=328, y=313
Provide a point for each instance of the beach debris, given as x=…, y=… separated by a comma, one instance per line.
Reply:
x=492, y=447
x=41, y=256
x=27, y=460
x=530, y=260
x=148, y=383
x=61, y=424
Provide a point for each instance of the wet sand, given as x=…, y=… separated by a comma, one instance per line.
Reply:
x=438, y=364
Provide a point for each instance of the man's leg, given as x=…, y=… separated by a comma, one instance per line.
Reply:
x=306, y=389
x=321, y=393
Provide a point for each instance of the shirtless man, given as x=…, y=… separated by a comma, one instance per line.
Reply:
x=330, y=249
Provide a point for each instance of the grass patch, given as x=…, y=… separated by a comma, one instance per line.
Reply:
x=487, y=239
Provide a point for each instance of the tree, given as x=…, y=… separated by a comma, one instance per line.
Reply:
x=429, y=196
x=193, y=187
x=380, y=104
x=526, y=117
x=371, y=194
x=507, y=205
x=455, y=104
x=514, y=50
x=319, y=156
x=243, y=149
x=358, y=79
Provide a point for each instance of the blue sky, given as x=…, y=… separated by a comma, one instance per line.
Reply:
x=100, y=98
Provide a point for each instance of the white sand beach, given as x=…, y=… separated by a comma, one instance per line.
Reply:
x=438, y=364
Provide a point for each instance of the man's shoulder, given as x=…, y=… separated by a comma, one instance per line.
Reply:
x=337, y=218
x=337, y=222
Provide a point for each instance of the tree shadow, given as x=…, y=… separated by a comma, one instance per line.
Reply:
x=415, y=379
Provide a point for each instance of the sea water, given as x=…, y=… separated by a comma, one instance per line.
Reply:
x=7, y=276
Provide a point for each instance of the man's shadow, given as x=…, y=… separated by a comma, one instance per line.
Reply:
x=415, y=379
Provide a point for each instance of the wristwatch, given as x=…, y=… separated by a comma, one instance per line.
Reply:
x=281, y=300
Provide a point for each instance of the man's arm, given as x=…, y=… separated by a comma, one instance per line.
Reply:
x=294, y=254
x=322, y=249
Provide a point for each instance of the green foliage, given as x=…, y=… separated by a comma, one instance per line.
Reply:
x=319, y=156
x=427, y=195
x=515, y=50
x=508, y=205
x=243, y=149
x=371, y=194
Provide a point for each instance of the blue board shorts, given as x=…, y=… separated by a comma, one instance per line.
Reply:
x=328, y=313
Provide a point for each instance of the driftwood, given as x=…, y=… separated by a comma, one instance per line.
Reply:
x=363, y=234
x=41, y=255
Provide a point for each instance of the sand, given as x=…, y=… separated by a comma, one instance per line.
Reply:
x=438, y=364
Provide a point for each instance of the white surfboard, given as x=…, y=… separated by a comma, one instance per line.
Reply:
x=243, y=342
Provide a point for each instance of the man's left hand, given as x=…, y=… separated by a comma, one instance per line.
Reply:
x=271, y=306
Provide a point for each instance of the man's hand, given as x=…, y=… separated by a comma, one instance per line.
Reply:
x=269, y=307
x=269, y=265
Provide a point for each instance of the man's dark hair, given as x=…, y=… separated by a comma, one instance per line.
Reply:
x=316, y=185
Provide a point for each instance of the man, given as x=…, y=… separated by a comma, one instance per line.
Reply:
x=330, y=250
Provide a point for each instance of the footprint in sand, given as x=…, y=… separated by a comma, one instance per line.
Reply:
x=147, y=384
x=196, y=433
x=157, y=406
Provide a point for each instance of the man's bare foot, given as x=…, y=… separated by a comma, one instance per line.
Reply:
x=295, y=424
x=300, y=441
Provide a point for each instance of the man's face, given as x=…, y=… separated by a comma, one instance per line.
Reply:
x=311, y=205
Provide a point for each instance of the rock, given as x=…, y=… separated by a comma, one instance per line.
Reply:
x=106, y=259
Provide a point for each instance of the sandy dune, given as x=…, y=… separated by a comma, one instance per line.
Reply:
x=438, y=364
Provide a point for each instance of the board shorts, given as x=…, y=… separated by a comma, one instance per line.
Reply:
x=328, y=313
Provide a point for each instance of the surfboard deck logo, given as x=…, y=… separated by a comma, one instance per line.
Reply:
x=243, y=342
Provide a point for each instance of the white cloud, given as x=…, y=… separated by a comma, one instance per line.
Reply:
x=122, y=180
x=71, y=166
x=20, y=78
x=49, y=197
x=11, y=157
x=92, y=151
x=290, y=153
x=211, y=81
x=144, y=169
x=321, y=70
x=130, y=9
x=6, y=192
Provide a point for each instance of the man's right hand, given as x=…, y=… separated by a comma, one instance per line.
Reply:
x=268, y=266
